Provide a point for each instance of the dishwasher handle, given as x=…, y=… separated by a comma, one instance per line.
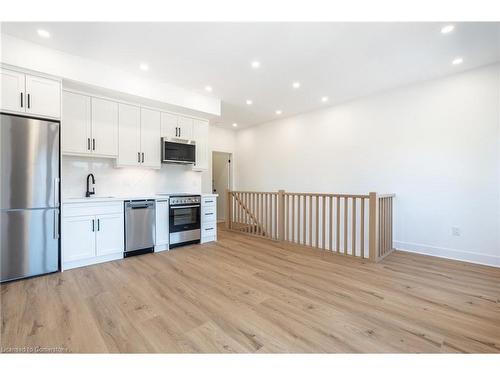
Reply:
x=138, y=205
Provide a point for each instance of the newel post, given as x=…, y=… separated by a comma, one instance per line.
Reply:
x=373, y=227
x=229, y=205
x=281, y=215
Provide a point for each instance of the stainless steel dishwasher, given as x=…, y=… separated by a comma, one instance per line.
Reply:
x=139, y=227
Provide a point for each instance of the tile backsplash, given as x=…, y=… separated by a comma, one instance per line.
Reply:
x=125, y=181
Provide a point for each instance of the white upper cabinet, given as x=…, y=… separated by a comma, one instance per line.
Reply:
x=169, y=125
x=129, y=139
x=43, y=96
x=76, y=126
x=89, y=126
x=185, y=125
x=25, y=93
x=150, y=138
x=200, y=136
x=13, y=85
x=104, y=127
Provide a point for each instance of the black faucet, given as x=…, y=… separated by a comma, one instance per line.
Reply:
x=89, y=193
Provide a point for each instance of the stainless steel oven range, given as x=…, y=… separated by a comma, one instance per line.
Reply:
x=184, y=220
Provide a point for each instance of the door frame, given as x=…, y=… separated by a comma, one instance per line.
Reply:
x=222, y=194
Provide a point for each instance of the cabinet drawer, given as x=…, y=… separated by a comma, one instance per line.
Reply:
x=208, y=201
x=92, y=208
x=208, y=214
x=208, y=239
x=209, y=230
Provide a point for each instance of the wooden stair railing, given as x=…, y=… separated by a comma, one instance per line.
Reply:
x=359, y=226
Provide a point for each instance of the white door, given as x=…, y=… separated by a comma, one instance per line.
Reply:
x=13, y=86
x=43, y=96
x=75, y=126
x=169, y=126
x=78, y=238
x=109, y=234
x=200, y=136
x=162, y=216
x=185, y=125
x=104, y=127
x=129, y=135
x=150, y=138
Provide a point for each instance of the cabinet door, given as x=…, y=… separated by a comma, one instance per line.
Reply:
x=104, y=127
x=129, y=135
x=43, y=96
x=185, y=128
x=169, y=125
x=150, y=138
x=78, y=238
x=200, y=136
x=109, y=234
x=75, y=127
x=13, y=85
x=162, y=236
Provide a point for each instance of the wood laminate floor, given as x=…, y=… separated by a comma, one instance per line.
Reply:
x=244, y=294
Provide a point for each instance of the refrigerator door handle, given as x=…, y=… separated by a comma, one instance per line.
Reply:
x=56, y=191
x=56, y=224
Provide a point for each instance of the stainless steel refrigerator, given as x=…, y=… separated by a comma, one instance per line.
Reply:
x=29, y=197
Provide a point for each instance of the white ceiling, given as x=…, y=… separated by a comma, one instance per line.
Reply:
x=339, y=60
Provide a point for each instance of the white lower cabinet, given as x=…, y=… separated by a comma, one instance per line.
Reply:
x=92, y=233
x=208, y=218
x=162, y=229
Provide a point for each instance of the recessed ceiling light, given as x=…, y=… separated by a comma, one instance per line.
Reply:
x=296, y=85
x=43, y=33
x=235, y=125
x=457, y=61
x=256, y=64
x=144, y=67
x=249, y=102
x=447, y=29
x=324, y=99
x=278, y=112
x=208, y=88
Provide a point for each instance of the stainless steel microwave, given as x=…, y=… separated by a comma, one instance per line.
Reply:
x=173, y=151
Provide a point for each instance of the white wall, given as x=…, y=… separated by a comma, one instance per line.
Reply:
x=38, y=58
x=434, y=144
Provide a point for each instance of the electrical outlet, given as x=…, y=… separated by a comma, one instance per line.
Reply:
x=455, y=231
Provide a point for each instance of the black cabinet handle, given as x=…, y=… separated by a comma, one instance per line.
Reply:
x=28, y=100
x=98, y=225
x=93, y=228
x=138, y=157
x=93, y=144
x=209, y=228
x=88, y=144
x=209, y=213
x=21, y=100
x=143, y=157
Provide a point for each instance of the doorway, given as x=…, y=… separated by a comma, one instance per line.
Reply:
x=221, y=180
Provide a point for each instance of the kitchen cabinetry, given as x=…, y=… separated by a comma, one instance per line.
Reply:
x=175, y=126
x=150, y=138
x=162, y=229
x=104, y=127
x=89, y=126
x=200, y=136
x=208, y=218
x=30, y=94
x=91, y=233
x=139, y=137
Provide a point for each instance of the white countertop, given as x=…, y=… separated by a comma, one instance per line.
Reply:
x=98, y=198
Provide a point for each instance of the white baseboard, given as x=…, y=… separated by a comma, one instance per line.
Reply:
x=443, y=252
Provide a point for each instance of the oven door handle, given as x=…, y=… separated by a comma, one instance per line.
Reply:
x=196, y=205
